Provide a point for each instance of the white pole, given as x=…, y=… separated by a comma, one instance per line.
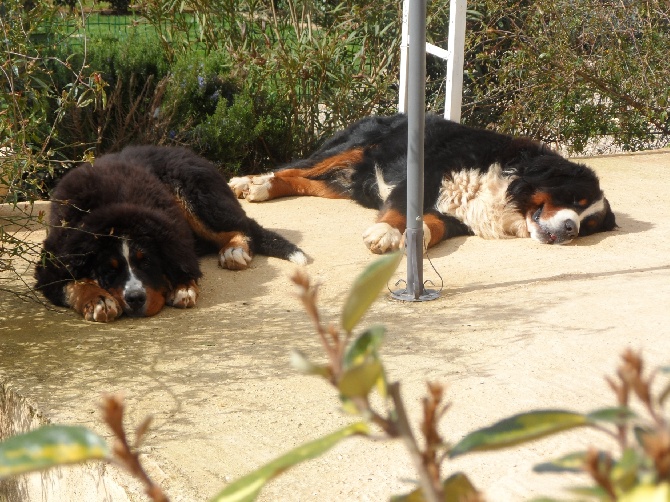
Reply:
x=404, y=45
x=456, y=49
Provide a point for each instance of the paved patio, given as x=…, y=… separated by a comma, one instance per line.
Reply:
x=518, y=326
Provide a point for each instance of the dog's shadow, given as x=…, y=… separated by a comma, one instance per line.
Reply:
x=446, y=247
x=626, y=224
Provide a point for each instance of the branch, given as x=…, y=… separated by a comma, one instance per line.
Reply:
x=425, y=480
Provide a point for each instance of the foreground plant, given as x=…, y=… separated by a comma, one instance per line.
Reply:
x=355, y=369
x=56, y=445
x=638, y=472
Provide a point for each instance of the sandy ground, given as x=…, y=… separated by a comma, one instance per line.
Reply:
x=518, y=326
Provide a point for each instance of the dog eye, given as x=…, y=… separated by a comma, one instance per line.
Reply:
x=581, y=202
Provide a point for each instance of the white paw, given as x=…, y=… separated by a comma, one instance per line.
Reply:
x=382, y=237
x=240, y=186
x=234, y=258
x=259, y=188
x=104, y=309
x=183, y=297
x=426, y=236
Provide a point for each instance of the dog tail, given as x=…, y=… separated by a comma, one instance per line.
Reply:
x=269, y=243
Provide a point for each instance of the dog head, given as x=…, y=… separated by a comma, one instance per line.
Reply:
x=137, y=255
x=560, y=200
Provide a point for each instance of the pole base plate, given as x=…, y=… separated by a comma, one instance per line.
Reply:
x=406, y=296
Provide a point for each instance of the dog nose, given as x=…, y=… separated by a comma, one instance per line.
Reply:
x=135, y=298
x=571, y=228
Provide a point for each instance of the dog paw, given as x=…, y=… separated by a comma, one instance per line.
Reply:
x=102, y=309
x=382, y=237
x=259, y=188
x=234, y=258
x=183, y=297
x=426, y=237
x=240, y=186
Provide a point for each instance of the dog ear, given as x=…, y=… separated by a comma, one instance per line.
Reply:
x=609, y=223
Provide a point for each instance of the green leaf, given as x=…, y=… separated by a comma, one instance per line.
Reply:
x=300, y=363
x=573, y=462
x=248, y=487
x=348, y=406
x=456, y=487
x=359, y=380
x=364, y=345
x=648, y=493
x=366, y=288
x=49, y=446
x=625, y=470
x=616, y=415
x=596, y=492
x=519, y=429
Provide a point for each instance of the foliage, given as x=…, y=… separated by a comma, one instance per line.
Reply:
x=354, y=368
x=119, y=6
x=571, y=73
x=49, y=446
x=325, y=73
x=131, y=75
x=30, y=109
x=229, y=120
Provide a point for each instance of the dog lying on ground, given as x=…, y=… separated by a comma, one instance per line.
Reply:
x=126, y=232
x=475, y=182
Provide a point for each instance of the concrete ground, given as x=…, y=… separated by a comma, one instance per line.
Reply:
x=518, y=326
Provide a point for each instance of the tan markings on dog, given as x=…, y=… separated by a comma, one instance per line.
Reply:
x=91, y=301
x=342, y=160
x=286, y=186
x=223, y=240
x=393, y=218
x=544, y=199
x=154, y=302
x=436, y=227
x=480, y=201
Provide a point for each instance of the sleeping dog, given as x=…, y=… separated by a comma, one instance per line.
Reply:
x=475, y=182
x=126, y=232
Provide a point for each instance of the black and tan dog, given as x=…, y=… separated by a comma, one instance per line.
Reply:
x=476, y=182
x=125, y=233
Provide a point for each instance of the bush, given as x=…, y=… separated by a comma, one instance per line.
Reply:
x=130, y=73
x=570, y=73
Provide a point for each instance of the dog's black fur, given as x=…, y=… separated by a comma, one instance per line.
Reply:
x=542, y=195
x=125, y=233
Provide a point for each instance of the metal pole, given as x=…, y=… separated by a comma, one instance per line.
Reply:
x=416, y=113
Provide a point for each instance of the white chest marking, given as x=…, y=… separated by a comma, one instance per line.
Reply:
x=384, y=189
x=480, y=201
x=133, y=283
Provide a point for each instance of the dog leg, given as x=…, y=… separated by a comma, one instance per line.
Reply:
x=235, y=254
x=183, y=296
x=386, y=234
x=91, y=301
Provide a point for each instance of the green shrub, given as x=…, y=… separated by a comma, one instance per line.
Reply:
x=130, y=72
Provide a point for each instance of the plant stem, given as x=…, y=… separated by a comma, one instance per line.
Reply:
x=425, y=480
